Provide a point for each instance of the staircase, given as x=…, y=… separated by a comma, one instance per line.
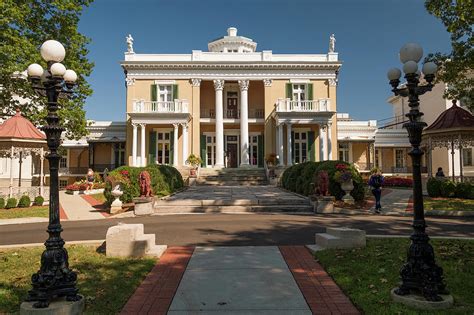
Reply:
x=232, y=177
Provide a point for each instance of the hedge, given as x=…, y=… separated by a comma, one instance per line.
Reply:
x=449, y=189
x=11, y=203
x=39, y=200
x=164, y=181
x=2, y=203
x=299, y=178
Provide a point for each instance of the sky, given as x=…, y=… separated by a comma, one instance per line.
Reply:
x=369, y=34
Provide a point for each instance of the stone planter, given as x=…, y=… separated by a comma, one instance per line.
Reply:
x=347, y=187
x=323, y=204
x=143, y=205
x=116, y=205
x=83, y=192
x=193, y=172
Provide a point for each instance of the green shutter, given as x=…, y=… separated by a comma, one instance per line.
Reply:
x=260, y=150
x=310, y=91
x=203, y=151
x=153, y=92
x=292, y=147
x=310, y=145
x=171, y=148
x=152, y=148
x=175, y=91
x=289, y=91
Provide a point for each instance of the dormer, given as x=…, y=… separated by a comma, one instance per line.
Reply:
x=232, y=43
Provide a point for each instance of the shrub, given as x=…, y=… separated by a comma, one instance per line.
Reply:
x=397, y=182
x=448, y=188
x=164, y=180
x=11, y=203
x=299, y=178
x=433, y=186
x=464, y=190
x=24, y=202
x=39, y=200
x=2, y=203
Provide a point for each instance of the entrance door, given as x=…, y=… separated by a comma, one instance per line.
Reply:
x=300, y=147
x=232, y=102
x=163, y=148
x=232, y=155
x=253, y=150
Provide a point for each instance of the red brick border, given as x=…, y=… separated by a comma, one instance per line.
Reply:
x=96, y=204
x=155, y=293
x=62, y=213
x=320, y=291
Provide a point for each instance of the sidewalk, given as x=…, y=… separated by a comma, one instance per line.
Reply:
x=77, y=208
x=238, y=280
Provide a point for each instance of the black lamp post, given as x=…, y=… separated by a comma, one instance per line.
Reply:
x=420, y=273
x=54, y=279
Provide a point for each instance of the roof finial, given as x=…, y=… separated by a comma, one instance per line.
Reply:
x=232, y=31
x=454, y=103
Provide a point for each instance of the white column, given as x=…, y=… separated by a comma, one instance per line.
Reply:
x=11, y=171
x=219, y=86
x=142, y=143
x=329, y=141
x=289, y=161
x=244, y=123
x=324, y=140
x=175, y=145
x=280, y=144
x=134, y=145
x=41, y=171
x=185, y=142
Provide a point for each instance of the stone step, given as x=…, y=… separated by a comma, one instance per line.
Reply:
x=156, y=250
x=345, y=232
x=232, y=183
x=145, y=241
x=232, y=202
x=233, y=209
x=233, y=177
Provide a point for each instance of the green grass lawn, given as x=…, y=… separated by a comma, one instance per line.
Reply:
x=368, y=274
x=106, y=283
x=448, y=204
x=36, y=211
x=99, y=197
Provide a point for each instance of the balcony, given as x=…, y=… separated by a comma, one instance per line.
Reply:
x=176, y=106
x=256, y=113
x=287, y=105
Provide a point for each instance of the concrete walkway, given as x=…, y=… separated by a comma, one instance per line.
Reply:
x=394, y=201
x=76, y=208
x=238, y=280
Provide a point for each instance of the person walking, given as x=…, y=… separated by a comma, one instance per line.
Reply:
x=375, y=183
x=440, y=173
x=89, y=180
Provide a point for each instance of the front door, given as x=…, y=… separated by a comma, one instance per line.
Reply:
x=232, y=100
x=232, y=155
x=163, y=145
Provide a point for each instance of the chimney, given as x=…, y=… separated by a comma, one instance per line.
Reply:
x=231, y=31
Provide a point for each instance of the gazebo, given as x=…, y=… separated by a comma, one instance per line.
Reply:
x=18, y=139
x=453, y=129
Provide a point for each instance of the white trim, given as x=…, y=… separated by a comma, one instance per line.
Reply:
x=163, y=129
x=164, y=82
x=298, y=81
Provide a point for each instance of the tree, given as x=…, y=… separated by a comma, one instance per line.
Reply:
x=456, y=68
x=24, y=26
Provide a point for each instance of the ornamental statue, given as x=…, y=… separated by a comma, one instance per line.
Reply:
x=332, y=43
x=322, y=183
x=129, y=40
x=145, y=184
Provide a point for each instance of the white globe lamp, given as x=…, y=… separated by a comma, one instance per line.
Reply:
x=35, y=70
x=394, y=74
x=410, y=67
x=52, y=50
x=411, y=52
x=70, y=76
x=57, y=69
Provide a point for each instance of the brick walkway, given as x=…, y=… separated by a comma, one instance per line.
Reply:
x=156, y=293
x=321, y=293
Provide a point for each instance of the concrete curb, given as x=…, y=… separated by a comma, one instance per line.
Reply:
x=24, y=220
x=86, y=242
x=428, y=213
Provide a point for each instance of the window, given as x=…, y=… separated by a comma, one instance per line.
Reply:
x=344, y=151
x=211, y=150
x=119, y=154
x=299, y=92
x=467, y=157
x=63, y=162
x=399, y=158
x=253, y=150
x=165, y=93
x=62, y=183
x=377, y=159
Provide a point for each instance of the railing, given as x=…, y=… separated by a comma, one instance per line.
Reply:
x=232, y=113
x=73, y=170
x=176, y=106
x=402, y=170
x=287, y=105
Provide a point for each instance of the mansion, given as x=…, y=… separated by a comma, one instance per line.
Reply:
x=234, y=106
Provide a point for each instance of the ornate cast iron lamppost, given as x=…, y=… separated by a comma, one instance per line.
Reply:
x=54, y=279
x=420, y=273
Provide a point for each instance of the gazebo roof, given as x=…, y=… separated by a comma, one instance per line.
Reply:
x=454, y=117
x=18, y=127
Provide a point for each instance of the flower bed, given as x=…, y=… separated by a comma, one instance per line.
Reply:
x=80, y=188
x=397, y=182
